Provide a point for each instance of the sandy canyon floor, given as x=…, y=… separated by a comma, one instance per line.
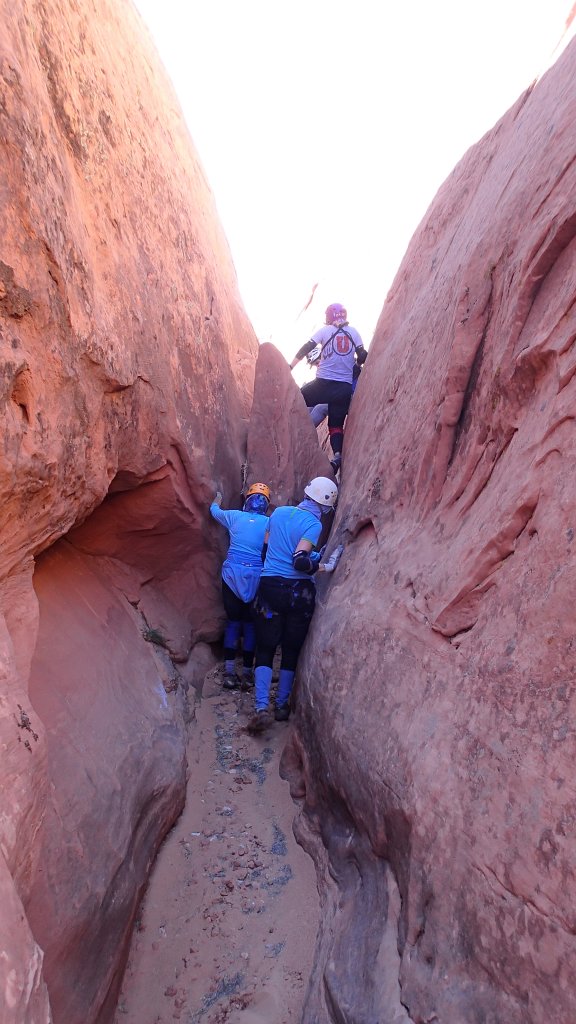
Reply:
x=227, y=928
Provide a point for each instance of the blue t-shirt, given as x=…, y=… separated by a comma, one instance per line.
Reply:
x=243, y=565
x=288, y=526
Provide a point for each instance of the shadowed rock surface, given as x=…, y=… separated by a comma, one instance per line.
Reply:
x=435, y=742
x=127, y=382
x=435, y=735
x=128, y=367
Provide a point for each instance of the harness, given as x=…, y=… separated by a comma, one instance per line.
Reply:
x=339, y=330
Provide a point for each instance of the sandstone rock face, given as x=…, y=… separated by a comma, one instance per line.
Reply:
x=283, y=449
x=121, y=334
x=435, y=736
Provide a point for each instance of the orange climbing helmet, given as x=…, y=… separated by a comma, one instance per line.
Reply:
x=259, y=489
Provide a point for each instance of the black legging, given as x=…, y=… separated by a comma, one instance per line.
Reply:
x=283, y=612
x=236, y=609
x=240, y=623
x=335, y=393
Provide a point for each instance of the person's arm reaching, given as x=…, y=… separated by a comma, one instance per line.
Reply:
x=219, y=514
x=330, y=564
x=302, y=352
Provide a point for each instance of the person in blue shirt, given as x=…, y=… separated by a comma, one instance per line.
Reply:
x=286, y=595
x=240, y=578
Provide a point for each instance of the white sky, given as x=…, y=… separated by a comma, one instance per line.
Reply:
x=326, y=127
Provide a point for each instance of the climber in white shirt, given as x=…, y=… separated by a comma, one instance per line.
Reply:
x=341, y=348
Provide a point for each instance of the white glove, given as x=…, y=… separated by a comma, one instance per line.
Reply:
x=218, y=498
x=332, y=562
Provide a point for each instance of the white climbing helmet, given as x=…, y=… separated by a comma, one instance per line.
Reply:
x=322, y=490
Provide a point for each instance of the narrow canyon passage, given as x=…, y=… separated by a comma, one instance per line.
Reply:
x=227, y=927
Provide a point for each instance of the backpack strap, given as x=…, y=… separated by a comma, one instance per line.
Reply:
x=339, y=330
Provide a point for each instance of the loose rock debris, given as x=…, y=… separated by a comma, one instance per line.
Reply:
x=227, y=929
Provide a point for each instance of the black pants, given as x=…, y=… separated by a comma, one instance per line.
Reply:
x=335, y=393
x=240, y=624
x=283, y=612
x=236, y=609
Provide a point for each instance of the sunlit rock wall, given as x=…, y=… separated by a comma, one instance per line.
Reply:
x=435, y=738
x=283, y=449
x=126, y=384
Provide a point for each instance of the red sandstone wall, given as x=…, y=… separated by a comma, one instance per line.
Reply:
x=127, y=373
x=436, y=738
x=283, y=448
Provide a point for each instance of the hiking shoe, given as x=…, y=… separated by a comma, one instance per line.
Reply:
x=259, y=721
x=336, y=462
x=247, y=680
x=230, y=681
x=282, y=712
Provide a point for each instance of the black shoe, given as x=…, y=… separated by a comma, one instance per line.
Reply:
x=336, y=462
x=231, y=681
x=282, y=712
x=247, y=681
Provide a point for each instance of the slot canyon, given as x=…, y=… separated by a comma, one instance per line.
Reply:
x=148, y=870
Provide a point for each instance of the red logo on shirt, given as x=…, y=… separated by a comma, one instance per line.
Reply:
x=343, y=344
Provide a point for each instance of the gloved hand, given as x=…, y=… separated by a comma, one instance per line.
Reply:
x=330, y=564
x=315, y=557
x=218, y=498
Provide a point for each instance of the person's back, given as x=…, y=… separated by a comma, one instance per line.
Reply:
x=340, y=349
x=288, y=525
x=339, y=345
x=246, y=530
x=240, y=576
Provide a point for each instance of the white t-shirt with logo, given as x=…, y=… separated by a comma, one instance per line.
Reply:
x=339, y=345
